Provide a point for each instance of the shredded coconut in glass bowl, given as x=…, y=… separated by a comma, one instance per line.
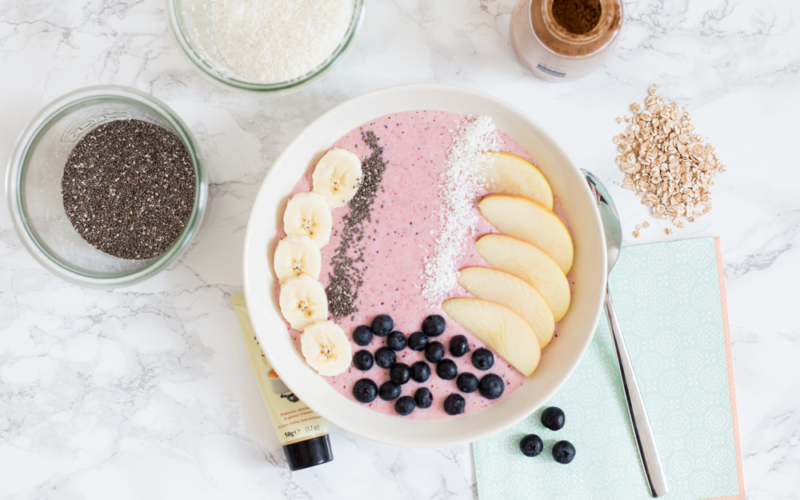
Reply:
x=273, y=41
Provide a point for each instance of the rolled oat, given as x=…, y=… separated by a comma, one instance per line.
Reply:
x=665, y=163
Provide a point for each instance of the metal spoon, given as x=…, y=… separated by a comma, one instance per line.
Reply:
x=645, y=440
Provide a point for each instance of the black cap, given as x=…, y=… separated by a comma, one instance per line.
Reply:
x=308, y=453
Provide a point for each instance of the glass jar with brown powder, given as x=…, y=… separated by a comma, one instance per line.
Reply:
x=560, y=40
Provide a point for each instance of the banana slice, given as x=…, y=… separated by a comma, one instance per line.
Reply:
x=308, y=214
x=296, y=255
x=337, y=176
x=303, y=301
x=326, y=348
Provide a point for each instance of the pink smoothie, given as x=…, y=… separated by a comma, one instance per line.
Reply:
x=397, y=240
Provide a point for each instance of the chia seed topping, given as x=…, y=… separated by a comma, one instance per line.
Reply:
x=347, y=277
x=128, y=188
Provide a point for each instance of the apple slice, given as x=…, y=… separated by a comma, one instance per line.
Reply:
x=500, y=328
x=532, y=222
x=530, y=263
x=510, y=174
x=514, y=293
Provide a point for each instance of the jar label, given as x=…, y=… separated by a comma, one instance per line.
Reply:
x=549, y=71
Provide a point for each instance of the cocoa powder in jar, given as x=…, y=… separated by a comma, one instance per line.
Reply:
x=554, y=21
x=563, y=40
x=577, y=16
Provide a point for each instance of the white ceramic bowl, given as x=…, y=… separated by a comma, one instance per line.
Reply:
x=560, y=357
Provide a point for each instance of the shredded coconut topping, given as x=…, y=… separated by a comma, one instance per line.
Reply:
x=463, y=179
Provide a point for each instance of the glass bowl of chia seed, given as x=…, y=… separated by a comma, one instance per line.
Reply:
x=106, y=186
x=271, y=46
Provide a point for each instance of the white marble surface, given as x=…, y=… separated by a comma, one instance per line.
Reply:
x=146, y=392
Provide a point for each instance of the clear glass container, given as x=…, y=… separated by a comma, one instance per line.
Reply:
x=555, y=54
x=33, y=185
x=191, y=24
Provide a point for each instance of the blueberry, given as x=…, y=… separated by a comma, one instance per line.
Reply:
x=423, y=397
x=433, y=326
x=365, y=390
x=492, y=386
x=405, y=405
x=420, y=371
x=553, y=418
x=459, y=346
x=531, y=445
x=563, y=452
x=417, y=341
x=467, y=382
x=447, y=369
x=385, y=357
x=396, y=341
x=454, y=404
x=399, y=373
x=389, y=391
x=362, y=335
x=434, y=352
x=363, y=360
x=483, y=359
x=382, y=325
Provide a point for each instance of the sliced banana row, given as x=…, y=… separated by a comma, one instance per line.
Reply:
x=307, y=222
x=337, y=176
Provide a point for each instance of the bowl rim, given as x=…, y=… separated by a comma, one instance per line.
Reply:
x=26, y=143
x=351, y=422
x=277, y=88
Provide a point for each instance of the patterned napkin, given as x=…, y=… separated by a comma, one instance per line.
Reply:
x=670, y=300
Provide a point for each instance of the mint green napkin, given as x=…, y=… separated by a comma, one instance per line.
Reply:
x=669, y=300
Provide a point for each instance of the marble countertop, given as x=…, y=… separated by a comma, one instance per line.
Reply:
x=146, y=392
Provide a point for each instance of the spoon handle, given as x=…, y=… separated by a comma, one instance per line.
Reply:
x=645, y=440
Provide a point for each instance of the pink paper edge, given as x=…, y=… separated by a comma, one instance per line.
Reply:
x=736, y=442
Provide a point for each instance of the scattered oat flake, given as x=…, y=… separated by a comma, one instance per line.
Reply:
x=636, y=234
x=645, y=224
x=668, y=231
x=665, y=163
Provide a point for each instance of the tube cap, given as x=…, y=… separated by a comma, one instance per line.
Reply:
x=308, y=453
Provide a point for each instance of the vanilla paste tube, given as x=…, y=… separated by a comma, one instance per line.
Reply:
x=303, y=433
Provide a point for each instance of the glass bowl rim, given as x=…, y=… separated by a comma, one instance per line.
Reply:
x=271, y=88
x=26, y=144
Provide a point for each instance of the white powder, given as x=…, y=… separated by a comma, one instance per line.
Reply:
x=270, y=41
x=457, y=220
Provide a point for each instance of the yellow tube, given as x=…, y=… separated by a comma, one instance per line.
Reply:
x=303, y=433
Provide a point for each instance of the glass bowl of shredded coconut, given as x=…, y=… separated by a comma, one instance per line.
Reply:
x=265, y=45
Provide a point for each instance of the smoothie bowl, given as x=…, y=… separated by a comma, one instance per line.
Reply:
x=424, y=266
